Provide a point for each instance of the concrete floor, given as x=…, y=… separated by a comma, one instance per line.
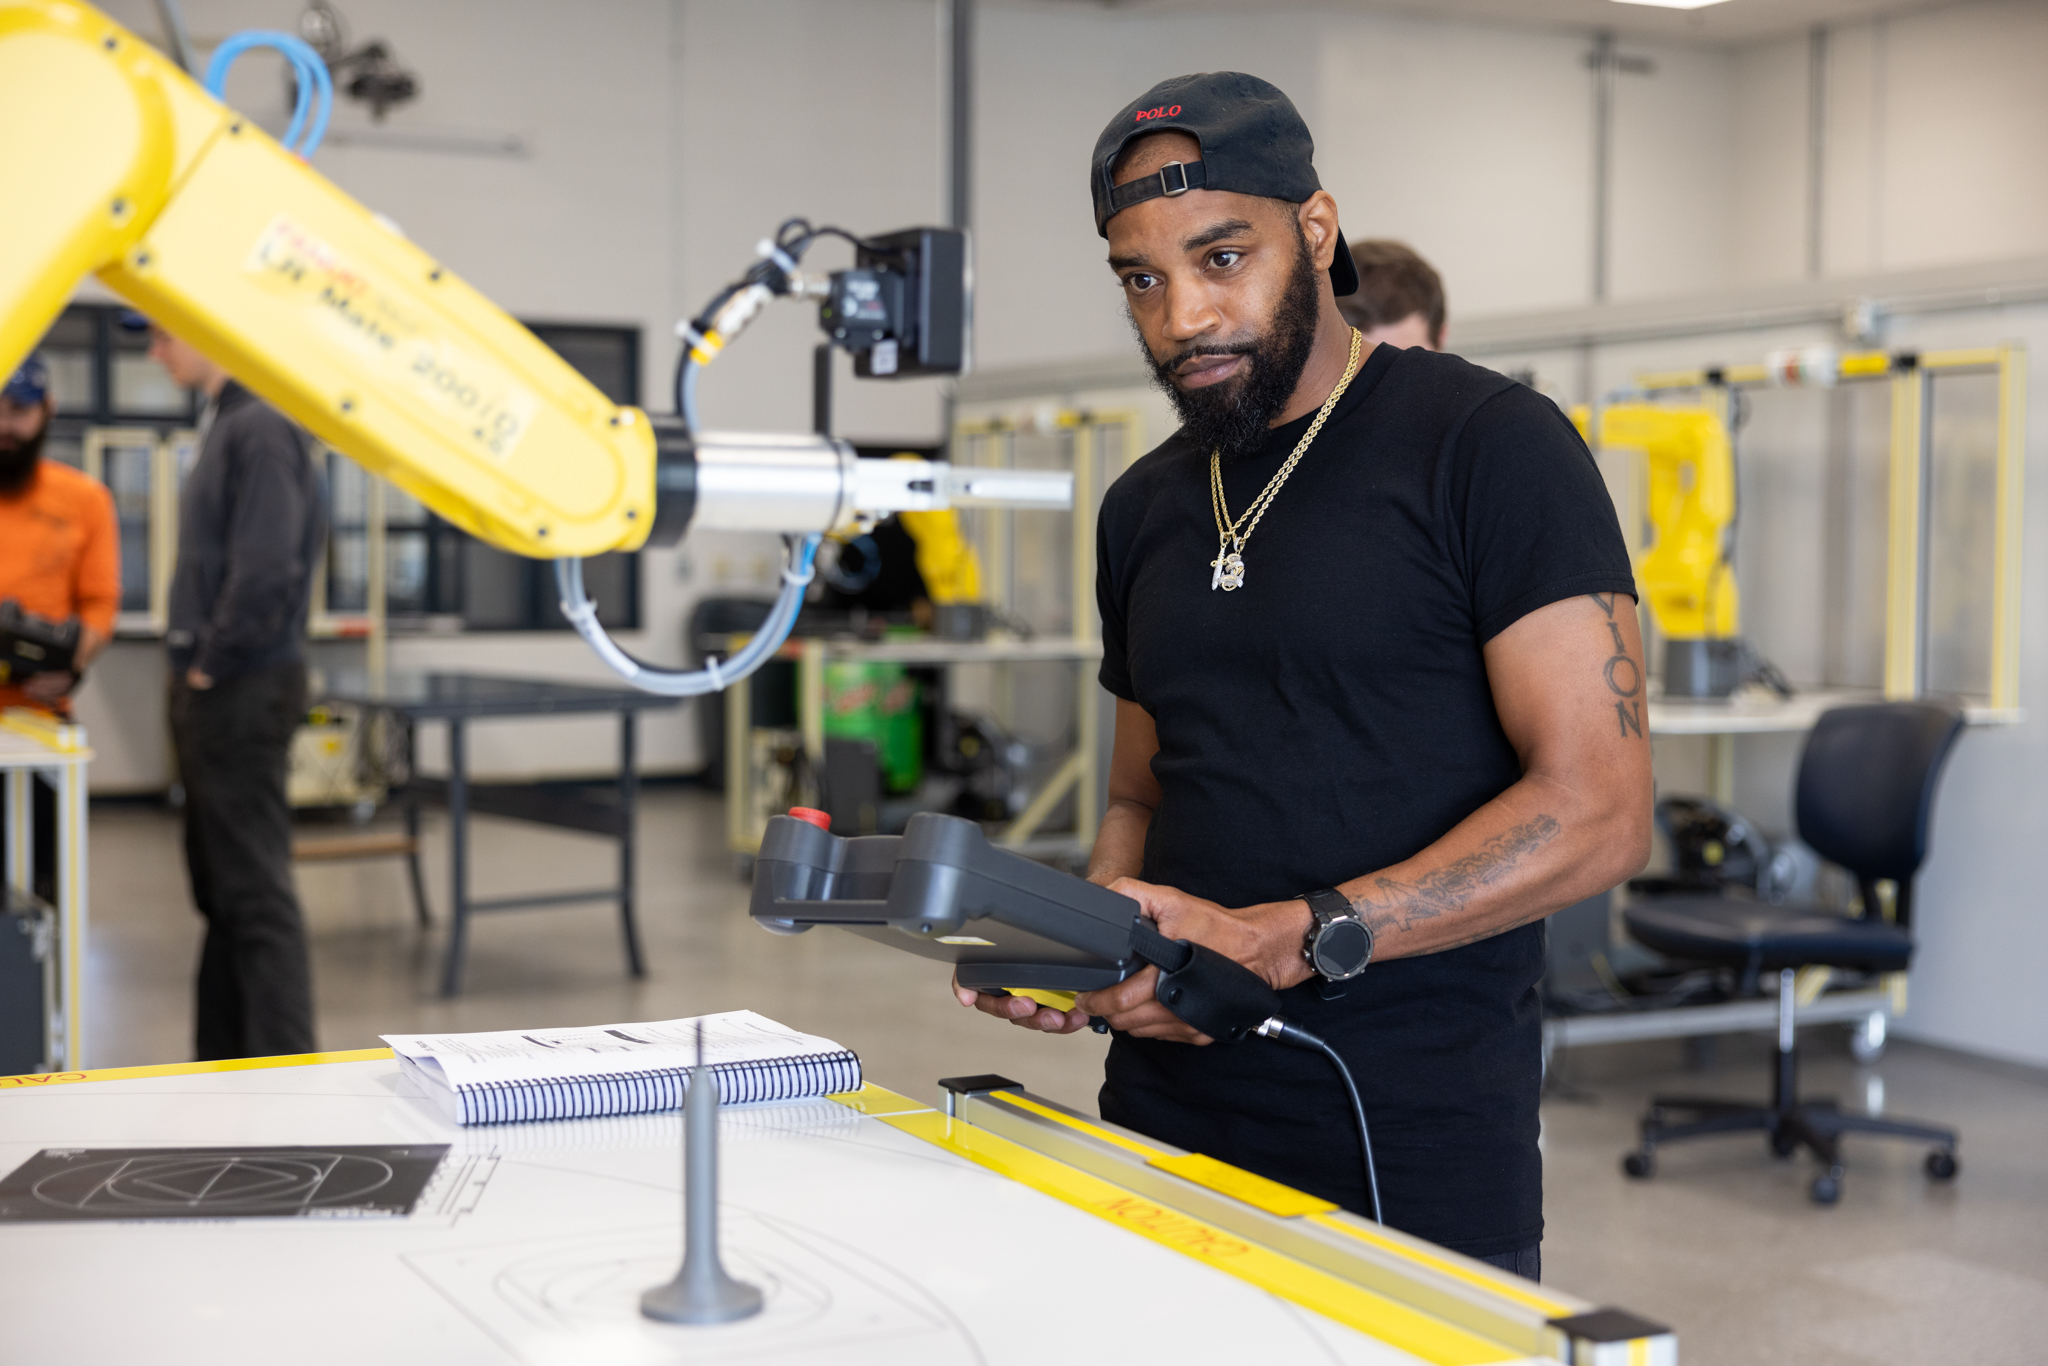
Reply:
x=1723, y=1243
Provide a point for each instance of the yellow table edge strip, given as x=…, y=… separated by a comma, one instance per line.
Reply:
x=1392, y=1322
x=1261, y=1193
x=1154, y=1157
x=1541, y=1303
x=877, y=1100
x=1143, y=1150
x=187, y=1069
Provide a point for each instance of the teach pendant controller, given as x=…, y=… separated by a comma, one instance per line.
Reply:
x=941, y=890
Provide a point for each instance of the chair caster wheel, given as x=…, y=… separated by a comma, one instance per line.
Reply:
x=1826, y=1189
x=1784, y=1145
x=1638, y=1165
x=1941, y=1165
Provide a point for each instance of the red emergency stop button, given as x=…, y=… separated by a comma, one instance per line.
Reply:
x=813, y=815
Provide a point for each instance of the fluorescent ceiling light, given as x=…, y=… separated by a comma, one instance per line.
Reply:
x=1671, y=4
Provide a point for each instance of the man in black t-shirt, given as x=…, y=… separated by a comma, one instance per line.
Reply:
x=1370, y=624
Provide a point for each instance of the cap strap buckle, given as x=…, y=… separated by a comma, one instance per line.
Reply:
x=1167, y=186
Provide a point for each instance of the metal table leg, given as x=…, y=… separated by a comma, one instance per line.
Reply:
x=412, y=814
x=629, y=791
x=412, y=862
x=458, y=858
x=72, y=902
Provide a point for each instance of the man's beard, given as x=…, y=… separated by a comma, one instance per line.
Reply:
x=18, y=461
x=1234, y=416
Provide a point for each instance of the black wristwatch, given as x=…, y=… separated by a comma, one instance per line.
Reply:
x=1338, y=944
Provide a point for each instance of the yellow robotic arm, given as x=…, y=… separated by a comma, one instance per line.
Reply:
x=1686, y=578
x=121, y=166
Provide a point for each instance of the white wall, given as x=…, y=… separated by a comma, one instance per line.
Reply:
x=1472, y=143
x=1935, y=124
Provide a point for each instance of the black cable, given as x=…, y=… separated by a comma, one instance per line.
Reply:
x=1301, y=1038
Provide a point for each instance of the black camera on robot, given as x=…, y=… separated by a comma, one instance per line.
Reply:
x=901, y=309
x=31, y=645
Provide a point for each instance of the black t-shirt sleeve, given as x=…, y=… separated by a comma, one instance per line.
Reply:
x=1115, y=674
x=1532, y=522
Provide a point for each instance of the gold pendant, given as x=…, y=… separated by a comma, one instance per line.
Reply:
x=1229, y=572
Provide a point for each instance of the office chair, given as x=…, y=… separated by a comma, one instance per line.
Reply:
x=1865, y=801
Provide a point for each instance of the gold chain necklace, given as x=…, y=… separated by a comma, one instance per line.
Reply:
x=1228, y=566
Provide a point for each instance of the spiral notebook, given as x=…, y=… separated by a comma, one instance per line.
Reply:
x=620, y=1069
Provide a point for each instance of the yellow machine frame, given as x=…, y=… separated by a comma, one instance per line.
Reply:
x=1912, y=378
x=124, y=168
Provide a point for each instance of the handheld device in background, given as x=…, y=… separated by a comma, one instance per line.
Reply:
x=31, y=645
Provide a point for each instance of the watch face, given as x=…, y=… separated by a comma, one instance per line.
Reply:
x=1342, y=949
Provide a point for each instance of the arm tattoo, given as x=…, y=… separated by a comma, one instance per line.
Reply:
x=1624, y=676
x=1394, y=904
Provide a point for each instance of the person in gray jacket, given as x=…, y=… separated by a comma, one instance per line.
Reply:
x=251, y=520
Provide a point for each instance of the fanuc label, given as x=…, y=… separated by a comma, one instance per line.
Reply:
x=492, y=409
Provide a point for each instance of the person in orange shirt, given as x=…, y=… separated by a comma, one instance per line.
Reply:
x=59, y=559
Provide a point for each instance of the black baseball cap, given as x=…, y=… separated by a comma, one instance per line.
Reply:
x=1253, y=142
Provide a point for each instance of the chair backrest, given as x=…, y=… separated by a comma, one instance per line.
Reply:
x=1866, y=786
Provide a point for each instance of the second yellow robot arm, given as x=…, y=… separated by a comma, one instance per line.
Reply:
x=1686, y=578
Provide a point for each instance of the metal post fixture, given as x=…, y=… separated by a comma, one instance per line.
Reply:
x=701, y=1292
x=2011, y=499
x=1905, y=575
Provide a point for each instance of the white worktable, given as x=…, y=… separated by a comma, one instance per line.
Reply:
x=535, y=1241
x=1756, y=711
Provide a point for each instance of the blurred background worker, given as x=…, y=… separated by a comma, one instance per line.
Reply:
x=59, y=561
x=1400, y=298
x=251, y=521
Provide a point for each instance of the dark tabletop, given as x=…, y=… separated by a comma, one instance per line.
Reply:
x=461, y=696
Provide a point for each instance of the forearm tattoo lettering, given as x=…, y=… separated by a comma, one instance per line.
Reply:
x=1623, y=675
x=1393, y=904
